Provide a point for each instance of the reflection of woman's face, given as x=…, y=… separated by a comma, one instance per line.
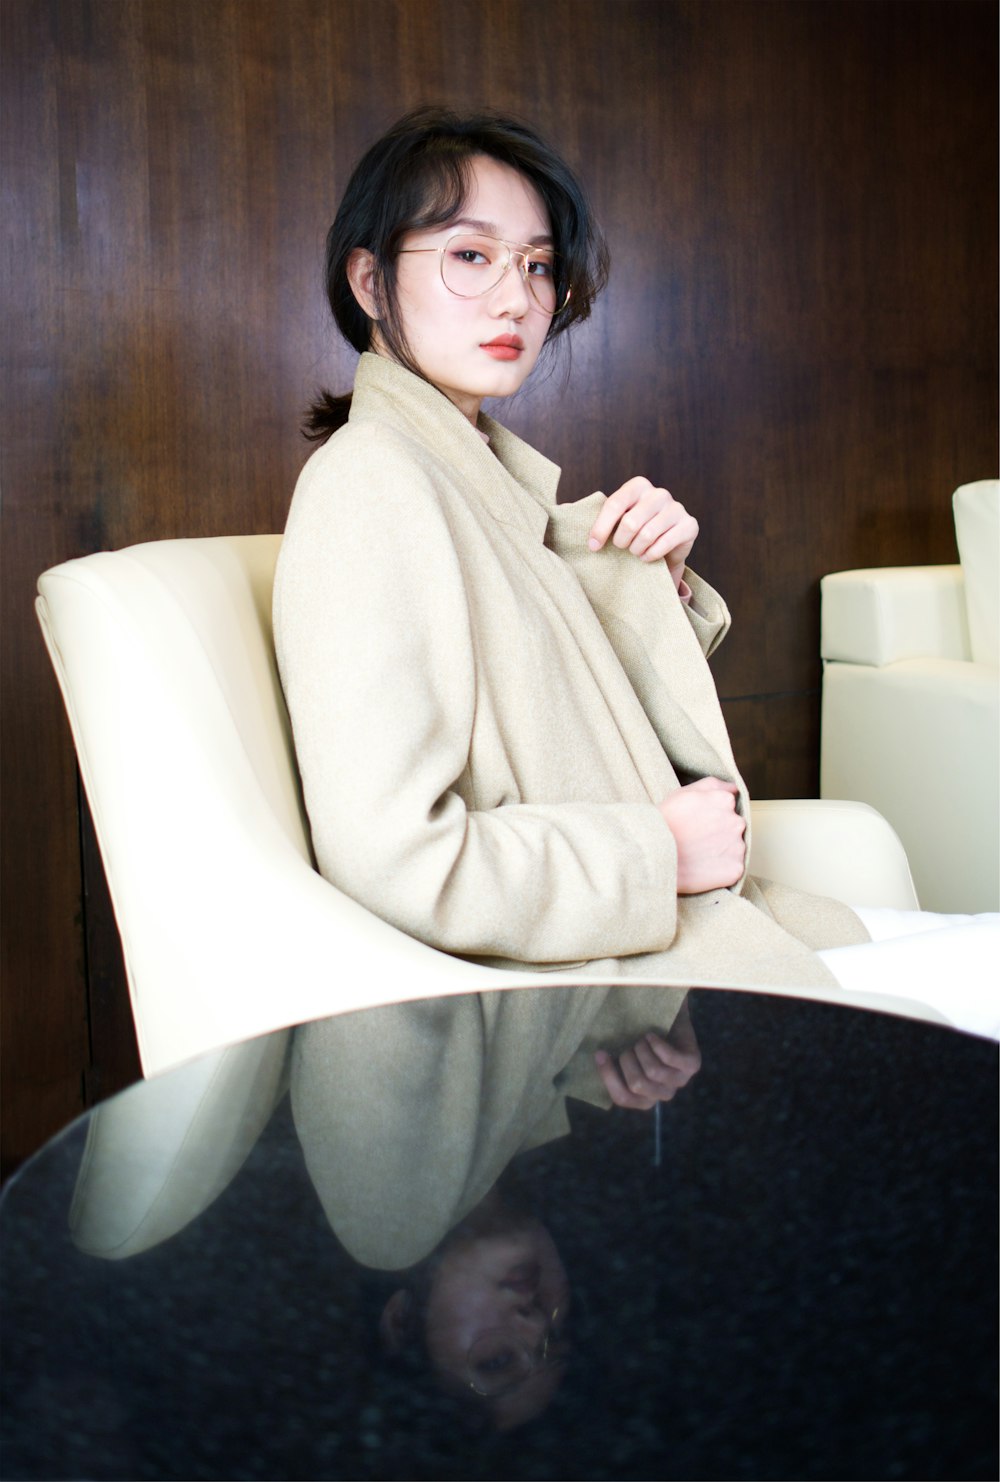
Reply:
x=495, y=1296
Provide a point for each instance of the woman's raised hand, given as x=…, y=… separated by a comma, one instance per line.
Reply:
x=708, y=831
x=649, y=522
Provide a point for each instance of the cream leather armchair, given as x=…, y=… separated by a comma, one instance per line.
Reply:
x=165, y=659
x=910, y=705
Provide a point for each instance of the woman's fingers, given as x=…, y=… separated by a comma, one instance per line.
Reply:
x=652, y=1070
x=678, y=537
x=657, y=531
x=639, y=516
x=681, y=1061
x=647, y=519
x=616, y=1086
x=616, y=506
x=655, y=1070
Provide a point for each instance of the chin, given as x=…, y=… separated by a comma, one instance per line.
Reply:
x=501, y=386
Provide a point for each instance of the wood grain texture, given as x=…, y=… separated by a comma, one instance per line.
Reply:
x=799, y=337
x=776, y=738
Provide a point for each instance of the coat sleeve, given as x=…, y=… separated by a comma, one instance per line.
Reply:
x=375, y=651
x=707, y=613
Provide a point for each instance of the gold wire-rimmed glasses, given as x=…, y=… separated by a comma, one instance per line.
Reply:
x=500, y=1360
x=473, y=264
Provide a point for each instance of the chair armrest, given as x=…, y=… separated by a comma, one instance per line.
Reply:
x=884, y=614
x=841, y=849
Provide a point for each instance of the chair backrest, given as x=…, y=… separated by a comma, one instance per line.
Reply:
x=165, y=658
x=977, y=530
x=199, y=612
x=166, y=663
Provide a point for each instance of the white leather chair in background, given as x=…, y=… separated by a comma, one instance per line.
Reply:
x=911, y=683
x=165, y=659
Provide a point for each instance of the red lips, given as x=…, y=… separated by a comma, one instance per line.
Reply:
x=504, y=347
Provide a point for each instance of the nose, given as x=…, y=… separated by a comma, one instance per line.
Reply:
x=530, y=1320
x=512, y=296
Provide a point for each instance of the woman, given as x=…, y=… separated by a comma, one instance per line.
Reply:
x=509, y=739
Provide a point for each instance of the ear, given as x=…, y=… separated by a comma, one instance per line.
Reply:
x=395, y=1322
x=362, y=277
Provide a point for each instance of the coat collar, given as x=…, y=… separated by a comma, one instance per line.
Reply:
x=514, y=482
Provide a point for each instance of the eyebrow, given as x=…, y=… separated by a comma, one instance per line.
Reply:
x=490, y=229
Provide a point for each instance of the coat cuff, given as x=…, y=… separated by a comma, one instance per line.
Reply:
x=707, y=613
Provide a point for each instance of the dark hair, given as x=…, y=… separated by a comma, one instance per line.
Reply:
x=417, y=176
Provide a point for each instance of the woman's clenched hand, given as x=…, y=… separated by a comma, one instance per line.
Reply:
x=709, y=833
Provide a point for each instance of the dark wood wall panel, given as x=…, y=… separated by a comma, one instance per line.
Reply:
x=799, y=336
x=776, y=738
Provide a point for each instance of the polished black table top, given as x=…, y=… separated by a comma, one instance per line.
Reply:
x=796, y=1280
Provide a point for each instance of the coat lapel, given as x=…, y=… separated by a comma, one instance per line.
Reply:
x=636, y=604
x=654, y=641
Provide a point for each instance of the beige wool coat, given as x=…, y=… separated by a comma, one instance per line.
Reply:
x=486, y=712
x=485, y=715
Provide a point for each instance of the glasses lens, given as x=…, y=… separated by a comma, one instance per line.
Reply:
x=473, y=265
x=497, y=1362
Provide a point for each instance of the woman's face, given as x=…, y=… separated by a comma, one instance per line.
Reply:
x=495, y=1295
x=454, y=340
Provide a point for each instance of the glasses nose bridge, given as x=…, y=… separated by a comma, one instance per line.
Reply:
x=532, y=1324
x=515, y=257
x=519, y=257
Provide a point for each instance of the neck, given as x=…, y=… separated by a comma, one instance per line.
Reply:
x=469, y=406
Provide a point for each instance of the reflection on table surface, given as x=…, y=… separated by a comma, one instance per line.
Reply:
x=796, y=1278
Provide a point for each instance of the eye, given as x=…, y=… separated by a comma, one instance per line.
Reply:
x=496, y=1363
x=473, y=252
x=540, y=267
